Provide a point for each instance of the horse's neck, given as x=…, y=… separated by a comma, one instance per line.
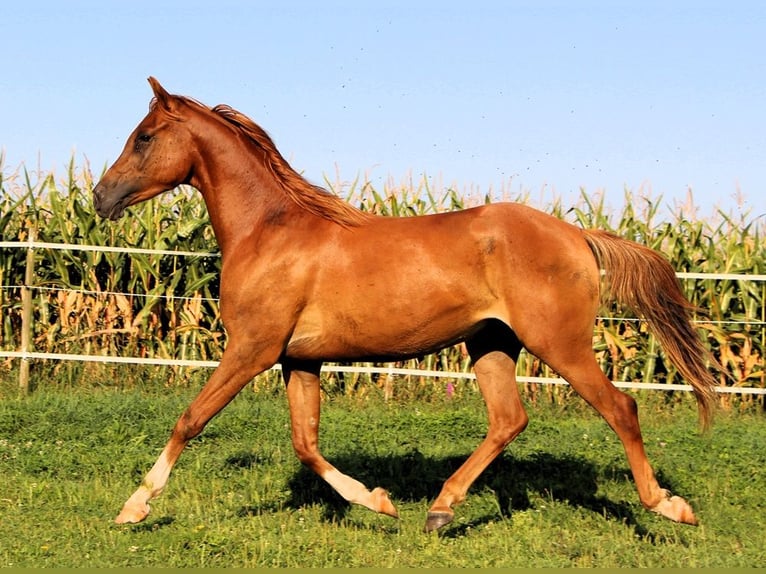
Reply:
x=243, y=203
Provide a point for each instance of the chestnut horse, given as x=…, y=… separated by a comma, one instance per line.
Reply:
x=308, y=278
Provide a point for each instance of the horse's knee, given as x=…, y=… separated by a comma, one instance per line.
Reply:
x=626, y=413
x=505, y=430
x=626, y=404
x=306, y=457
x=187, y=427
x=306, y=453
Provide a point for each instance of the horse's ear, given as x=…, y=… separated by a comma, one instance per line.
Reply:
x=163, y=97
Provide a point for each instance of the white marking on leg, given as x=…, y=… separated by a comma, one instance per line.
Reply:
x=157, y=477
x=349, y=488
x=136, y=508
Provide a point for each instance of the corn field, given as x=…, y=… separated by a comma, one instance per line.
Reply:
x=166, y=306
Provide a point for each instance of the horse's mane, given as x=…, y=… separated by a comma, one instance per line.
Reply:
x=312, y=198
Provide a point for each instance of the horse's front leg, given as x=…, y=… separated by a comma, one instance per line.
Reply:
x=236, y=369
x=302, y=379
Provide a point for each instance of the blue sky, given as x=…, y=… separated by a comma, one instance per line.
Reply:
x=540, y=97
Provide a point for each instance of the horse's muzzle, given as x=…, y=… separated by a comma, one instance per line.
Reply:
x=110, y=203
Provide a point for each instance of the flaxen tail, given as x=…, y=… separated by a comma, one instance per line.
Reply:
x=643, y=280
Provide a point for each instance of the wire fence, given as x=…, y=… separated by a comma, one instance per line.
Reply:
x=26, y=353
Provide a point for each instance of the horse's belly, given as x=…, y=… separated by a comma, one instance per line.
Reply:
x=385, y=338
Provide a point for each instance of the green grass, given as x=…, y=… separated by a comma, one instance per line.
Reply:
x=559, y=496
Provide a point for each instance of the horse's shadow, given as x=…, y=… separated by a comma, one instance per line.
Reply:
x=413, y=477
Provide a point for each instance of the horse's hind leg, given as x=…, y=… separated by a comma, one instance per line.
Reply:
x=581, y=370
x=494, y=351
x=302, y=381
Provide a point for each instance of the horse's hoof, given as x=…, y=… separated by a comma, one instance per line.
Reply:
x=677, y=509
x=132, y=514
x=383, y=503
x=435, y=520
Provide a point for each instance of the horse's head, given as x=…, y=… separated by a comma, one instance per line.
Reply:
x=156, y=158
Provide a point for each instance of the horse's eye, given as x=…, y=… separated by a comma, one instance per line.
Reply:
x=141, y=141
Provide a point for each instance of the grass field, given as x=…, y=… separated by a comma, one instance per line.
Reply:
x=560, y=495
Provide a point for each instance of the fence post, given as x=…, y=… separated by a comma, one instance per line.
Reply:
x=26, y=313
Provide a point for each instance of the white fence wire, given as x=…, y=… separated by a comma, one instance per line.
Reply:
x=26, y=355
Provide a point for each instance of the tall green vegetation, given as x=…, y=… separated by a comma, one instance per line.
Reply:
x=164, y=305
